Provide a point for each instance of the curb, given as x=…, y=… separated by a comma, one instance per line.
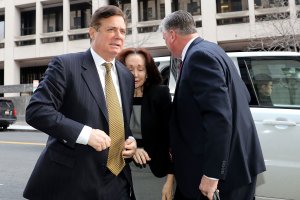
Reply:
x=21, y=127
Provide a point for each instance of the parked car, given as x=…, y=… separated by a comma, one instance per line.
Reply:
x=278, y=123
x=8, y=113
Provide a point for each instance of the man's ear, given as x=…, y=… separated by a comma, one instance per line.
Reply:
x=173, y=35
x=92, y=32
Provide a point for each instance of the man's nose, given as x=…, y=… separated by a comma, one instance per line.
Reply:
x=119, y=34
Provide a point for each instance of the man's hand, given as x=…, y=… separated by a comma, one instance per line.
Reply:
x=130, y=148
x=208, y=186
x=141, y=156
x=99, y=140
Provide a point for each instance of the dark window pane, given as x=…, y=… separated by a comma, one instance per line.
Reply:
x=283, y=74
x=28, y=22
x=224, y=6
x=52, y=39
x=25, y=43
x=28, y=74
x=79, y=37
x=125, y=5
x=151, y=10
x=80, y=15
x=192, y=6
x=233, y=21
x=53, y=19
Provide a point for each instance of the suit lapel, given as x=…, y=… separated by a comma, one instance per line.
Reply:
x=91, y=77
x=197, y=40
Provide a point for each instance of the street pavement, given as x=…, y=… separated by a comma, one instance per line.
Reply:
x=21, y=125
x=146, y=186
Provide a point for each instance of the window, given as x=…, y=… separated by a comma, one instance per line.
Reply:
x=297, y=2
x=270, y=3
x=2, y=27
x=1, y=76
x=151, y=10
x=79, y=36
x=224, y=6
x=28, y=74
x=52, y=39
x=237, y=20
x=125, y=5
x=53, y=19
x=272, y=81
x=191, y=6
x=80, y=15
x=28, y=22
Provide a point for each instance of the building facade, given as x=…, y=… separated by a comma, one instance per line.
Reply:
x=33, y=31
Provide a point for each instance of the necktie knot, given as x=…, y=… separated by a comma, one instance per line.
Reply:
x=107, y=66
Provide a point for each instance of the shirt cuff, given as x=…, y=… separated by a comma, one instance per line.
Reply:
x=84, y=135
x=131, y=137
x=215, y=179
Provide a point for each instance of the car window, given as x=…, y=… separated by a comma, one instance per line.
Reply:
x=272, y=81
x=163, y=64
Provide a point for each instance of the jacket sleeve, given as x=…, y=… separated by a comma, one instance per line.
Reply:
x=43, y=111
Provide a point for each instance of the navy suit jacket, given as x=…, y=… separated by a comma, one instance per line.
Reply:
x=212, y=130
x=69, y=97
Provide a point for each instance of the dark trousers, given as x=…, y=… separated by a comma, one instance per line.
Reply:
x=116, y=187
x=245, y=192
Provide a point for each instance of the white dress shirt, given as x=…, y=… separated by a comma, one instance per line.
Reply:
x=86, y=131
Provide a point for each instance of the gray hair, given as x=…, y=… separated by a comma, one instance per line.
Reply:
x=180, y=21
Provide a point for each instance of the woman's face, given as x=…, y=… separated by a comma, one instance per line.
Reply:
x=267, y=89
x=136, y=64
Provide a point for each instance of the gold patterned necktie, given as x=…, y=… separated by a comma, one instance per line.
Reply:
x=115, y=162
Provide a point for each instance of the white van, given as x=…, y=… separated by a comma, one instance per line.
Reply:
x=277, y=123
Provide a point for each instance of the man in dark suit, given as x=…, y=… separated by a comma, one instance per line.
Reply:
x=70, y=105
x=214, y=142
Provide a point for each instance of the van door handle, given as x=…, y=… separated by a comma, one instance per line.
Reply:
x=275, y=123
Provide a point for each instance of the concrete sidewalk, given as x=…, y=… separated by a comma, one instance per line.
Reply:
x=21, y=125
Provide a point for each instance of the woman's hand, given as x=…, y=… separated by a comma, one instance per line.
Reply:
x=141, y=156
x=167, y=191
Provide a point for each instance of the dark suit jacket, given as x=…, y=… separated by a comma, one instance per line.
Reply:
x=155, y=117
x=212, y=130
x=69, y=97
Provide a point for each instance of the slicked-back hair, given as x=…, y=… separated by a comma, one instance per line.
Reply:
x=153, y=75
x=180, y=21
x=105, y=12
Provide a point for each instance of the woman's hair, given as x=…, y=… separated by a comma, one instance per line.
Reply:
x=105, y=12
x=153, y=75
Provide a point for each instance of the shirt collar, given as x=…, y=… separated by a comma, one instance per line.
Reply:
x=186, y=48
x=99, y=60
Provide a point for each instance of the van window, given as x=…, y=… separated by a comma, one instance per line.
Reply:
x=168, y=67
x=272, y=81
x=163, y=64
